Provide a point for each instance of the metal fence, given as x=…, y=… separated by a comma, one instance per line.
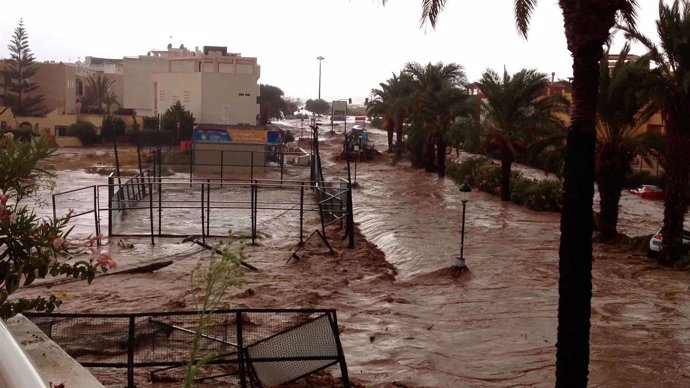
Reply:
x=154, y=205
x=245, y=347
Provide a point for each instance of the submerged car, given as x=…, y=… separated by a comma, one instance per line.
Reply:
x=649, y=192
x=656, y=241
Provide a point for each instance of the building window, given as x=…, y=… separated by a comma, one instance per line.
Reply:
x=175, y=99
x=162, y=95
x=225, y=112
x=187, y=96
x=244, y=94
x=60, y=131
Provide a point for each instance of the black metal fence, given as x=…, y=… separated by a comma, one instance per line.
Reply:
x=245, y=347
x=155, y=204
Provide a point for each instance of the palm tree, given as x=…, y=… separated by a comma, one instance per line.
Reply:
x=671, y=92
x=623, y=107
x=439, y=97
x=392, y=102
x=98, y=94
x=587, y=28
x=516, y=111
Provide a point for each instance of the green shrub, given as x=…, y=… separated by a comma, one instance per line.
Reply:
x=150, y=123
x=112, y=126
x=125, y=112
x=132, y=135
x=153, y=137
x=485, y=175
x=86, y=132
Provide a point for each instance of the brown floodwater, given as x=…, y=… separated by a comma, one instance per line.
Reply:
x=405, y=317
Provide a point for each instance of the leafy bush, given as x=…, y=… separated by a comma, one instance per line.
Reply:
x=150, y=123
x=86, y=132
x=112, y=126
x=133, y=135
x=125, y=112
x=153, y=137
x=485, y=175
x=34, y=247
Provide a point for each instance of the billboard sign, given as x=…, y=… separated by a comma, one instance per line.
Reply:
x=339, y=110
x=231, y=135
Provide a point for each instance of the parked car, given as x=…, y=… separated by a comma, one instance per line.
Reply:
x=655, y=242
x=649, y=192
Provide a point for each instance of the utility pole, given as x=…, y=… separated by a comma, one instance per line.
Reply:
x=320, y=58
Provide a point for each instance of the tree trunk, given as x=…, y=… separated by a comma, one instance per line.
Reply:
x=389, y=126
x=441, y=156
x=611, y=167
x=429, y=155
x=575, y=254
x=506, y=164
x=398, y=137
x=677, y=169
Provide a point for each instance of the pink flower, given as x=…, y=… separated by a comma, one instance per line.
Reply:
x=106, y=262
x=3, y=199
x=57, y=242
x=93, y=239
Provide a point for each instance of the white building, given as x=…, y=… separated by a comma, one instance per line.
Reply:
x=216, y=86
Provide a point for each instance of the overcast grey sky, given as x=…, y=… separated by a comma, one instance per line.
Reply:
x=362, y=41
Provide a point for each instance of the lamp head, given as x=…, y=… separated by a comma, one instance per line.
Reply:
x=465, y=190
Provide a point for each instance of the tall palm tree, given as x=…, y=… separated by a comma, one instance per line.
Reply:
x=439, y=97
x=623, y=107
x=98, y=93
x=587, y=28
x=391, y=101
x=516, y=111
x=671, y=91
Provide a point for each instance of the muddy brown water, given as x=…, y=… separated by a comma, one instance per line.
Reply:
x=421, y=324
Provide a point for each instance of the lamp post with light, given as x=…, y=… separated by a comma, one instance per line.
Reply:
x=459, y=262
x=320, y=58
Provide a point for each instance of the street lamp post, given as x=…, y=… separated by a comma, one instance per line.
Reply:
x=320, y=58
x=459, y=262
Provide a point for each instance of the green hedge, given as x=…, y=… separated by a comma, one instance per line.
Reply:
x=152, y=137
x=483, y=174
x=86, y=132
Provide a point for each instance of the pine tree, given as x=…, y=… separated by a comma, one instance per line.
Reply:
x=19, y=68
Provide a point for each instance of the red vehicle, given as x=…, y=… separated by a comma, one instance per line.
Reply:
x=649, y=192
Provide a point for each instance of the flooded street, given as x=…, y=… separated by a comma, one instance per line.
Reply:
x=405, y=316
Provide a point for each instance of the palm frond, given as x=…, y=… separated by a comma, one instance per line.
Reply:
x=523, y=13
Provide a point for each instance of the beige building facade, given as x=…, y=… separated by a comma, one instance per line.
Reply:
x=216, y=86
x=56, y=83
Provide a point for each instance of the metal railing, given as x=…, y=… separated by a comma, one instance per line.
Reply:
x=249, y=347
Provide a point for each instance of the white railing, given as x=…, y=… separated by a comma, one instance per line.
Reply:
x=16, y=369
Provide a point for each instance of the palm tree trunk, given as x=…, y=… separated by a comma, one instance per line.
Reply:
x=677, y=169
x=575, y=254
x=441, y=156
x=610, y=184
x=398, y=137
x=429, y=155
x=389, y=130
x=506, y=165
